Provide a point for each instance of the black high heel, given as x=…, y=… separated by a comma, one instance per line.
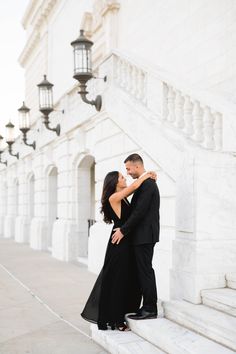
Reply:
x=122, y=327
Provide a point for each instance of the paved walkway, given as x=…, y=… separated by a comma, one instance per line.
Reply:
x=41, y=299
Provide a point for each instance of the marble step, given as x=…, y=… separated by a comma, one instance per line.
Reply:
x=175, y=339
x=220, y=299
x=231, y=280
x=209, y=322
x=116, y=342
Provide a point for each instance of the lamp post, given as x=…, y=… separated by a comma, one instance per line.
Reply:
x=24, y=124
x=83, y=68
x=1, y=151
x=46, y=103
x=10, y=138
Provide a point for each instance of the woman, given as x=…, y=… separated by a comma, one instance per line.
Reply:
x=116, y=291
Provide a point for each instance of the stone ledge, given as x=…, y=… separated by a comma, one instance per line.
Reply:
x=221, y=299
x=211, y=323
x=175, y=339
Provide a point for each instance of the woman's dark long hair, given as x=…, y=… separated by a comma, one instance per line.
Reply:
x=109, y=187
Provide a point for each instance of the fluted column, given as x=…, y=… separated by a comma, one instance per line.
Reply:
x=22, y=219
x=39, y=225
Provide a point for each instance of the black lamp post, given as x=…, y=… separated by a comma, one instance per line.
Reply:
x=1, y=151
x=24, y=123
x=46, y=103
x=83, y=68
x=10, y=138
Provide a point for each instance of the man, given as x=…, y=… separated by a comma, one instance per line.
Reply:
x=143, y=225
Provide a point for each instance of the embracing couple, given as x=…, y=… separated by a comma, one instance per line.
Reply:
x=127, y=276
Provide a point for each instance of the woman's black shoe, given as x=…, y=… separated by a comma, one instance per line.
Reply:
x=102, y=326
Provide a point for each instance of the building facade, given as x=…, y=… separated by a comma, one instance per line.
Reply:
x=169, y=96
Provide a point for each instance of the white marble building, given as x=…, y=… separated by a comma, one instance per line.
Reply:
x=169, y=95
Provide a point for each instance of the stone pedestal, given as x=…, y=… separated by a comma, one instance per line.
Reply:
x=97, y=244
x=205, y=244
x=38, y=234
x=22, y=229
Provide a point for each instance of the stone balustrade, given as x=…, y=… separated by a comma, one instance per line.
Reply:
x=198, y=122
x=130, y=77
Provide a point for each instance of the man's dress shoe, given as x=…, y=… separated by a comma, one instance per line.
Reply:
x=143, y=315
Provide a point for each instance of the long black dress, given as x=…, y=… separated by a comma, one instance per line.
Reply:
x=116, y=291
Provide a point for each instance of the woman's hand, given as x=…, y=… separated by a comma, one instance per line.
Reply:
x=152, y=174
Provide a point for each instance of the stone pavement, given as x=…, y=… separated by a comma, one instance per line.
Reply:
x=41, y=299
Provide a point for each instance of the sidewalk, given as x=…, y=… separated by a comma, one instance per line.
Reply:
x=41, y=299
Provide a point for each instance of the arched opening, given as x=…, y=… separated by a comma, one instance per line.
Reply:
x=52, y=203
x=31, y=197
x=86, y=202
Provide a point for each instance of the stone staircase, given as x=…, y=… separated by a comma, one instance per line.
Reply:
x=208, y=328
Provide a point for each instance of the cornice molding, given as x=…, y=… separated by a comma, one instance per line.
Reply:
x=36, y=16
x=43, y=9
x=39, y=10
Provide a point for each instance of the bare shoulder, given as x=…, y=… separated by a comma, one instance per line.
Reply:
x=114, y=198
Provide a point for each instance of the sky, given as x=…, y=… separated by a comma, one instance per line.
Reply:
x=12, y=41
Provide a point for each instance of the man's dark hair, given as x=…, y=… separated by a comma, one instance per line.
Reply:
x=134, y=158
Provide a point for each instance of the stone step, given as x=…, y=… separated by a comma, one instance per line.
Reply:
x=220, y=299
x=202, y=319
x=175, y=339
x=231, y=280
x=116, y=342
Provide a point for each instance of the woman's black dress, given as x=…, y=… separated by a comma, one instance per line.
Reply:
x=116, y=291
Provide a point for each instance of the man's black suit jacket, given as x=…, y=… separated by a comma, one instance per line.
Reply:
x=143, y=223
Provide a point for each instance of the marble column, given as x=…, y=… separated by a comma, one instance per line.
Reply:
x=38, y=224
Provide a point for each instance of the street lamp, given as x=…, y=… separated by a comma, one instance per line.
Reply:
x=1, y=151
x=83, y=68
x=46, y=103
x=24, y=123
x=10, y=138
